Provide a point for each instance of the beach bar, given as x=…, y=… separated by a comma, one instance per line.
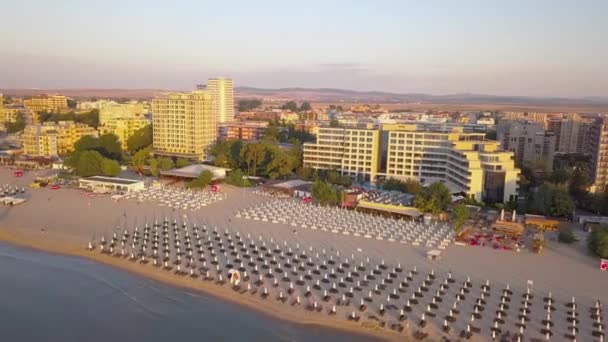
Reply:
x=110, y=184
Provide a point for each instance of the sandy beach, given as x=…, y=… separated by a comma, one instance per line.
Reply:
x=63, y=221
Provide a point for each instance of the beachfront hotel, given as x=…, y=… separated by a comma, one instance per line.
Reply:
x=46, y=103
x=464, y=161
x=352, y=151
x=123, y=128
x=52, y=139
x=223, y=95
x=184, y=124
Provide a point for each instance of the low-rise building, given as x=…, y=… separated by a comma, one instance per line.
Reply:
x=46, y=103
x=243, y=130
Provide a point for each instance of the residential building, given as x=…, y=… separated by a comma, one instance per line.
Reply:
x=243, y=130
x=598, y=138
x=464, y=161
x=313, y=115
x=110, y=110
x=8, y=113
x=289, y=117
x=571, y=133
x=310, y=127
x=46, y=103
x=223, y=96
x=52, y=139
x=184, y=124
x=528, y=140
x=352, y=151
x=39, y=141
x=68, y=133
x=541, y=118
x=123, y=128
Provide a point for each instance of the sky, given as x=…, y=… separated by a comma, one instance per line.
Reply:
x=517, y=47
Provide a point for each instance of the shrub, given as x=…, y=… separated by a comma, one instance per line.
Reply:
x=566, y=235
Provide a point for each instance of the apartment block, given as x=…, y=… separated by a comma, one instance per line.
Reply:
x=39, y=141
x=598, y=137
x=123, y=128
x=53, y=139
x=223, y=96
x=529, y=141
x=184, y=124
x=46, y=103
x=571, y=133
x=352, y=151
x=243, y=130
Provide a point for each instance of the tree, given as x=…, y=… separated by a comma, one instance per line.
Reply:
x=221, y=153
x=291, y=106
x=295, y=152
x=598, y=241
x=434, y=198
x=247, y=105
x=18, y=125
x=235, y=153
x=334, y=123
x=561, y=202
x=281, y=164
x=306, y=173
x=90, y=163
x=305, y=107
x=409, y=186
x=110, y=167
x=236, y=177
x=86, y=143
x=142, y=138
x=560, y=176
x=153, y=163
x=461, y=214
x=324, y=193
x=566, y=235
x=182, y=162
x=271, y=134
x=580, y=181
x=253, y=155
x=140, y=158
x=202, y=180
x=165, y=163
x=110, y=147
x=550, y=199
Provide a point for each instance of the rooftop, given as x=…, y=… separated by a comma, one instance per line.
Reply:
x=114, y=180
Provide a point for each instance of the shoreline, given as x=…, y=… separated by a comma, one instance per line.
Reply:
x=251, y=302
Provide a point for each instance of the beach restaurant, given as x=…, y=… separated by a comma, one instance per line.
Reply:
x=190, y=172
x=110, y=184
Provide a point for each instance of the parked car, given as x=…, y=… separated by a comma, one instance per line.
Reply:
x=55, y=187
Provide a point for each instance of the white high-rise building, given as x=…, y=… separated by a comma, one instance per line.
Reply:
x=223, y=95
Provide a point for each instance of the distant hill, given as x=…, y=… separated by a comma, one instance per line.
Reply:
x=332, y=95
x=337, y=95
